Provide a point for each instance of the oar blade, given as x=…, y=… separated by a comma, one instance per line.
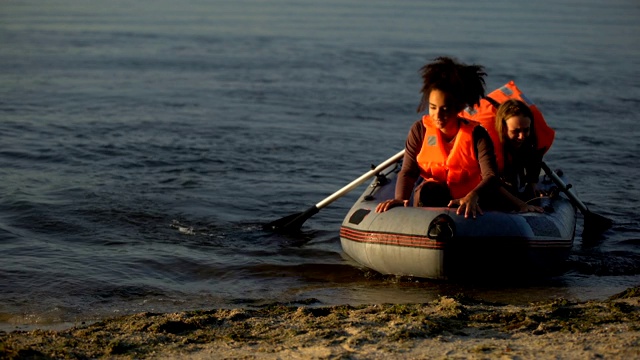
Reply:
x=291, y=222
x=280, y=223
x=595, y=223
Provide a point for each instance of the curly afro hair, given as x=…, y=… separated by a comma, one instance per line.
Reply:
x=464, y=83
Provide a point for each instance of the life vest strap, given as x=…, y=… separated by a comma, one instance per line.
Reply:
x=493, y=101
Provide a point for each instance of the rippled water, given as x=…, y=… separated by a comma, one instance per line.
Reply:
x=143, y=144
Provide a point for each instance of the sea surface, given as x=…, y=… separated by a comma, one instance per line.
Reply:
x=143, y=144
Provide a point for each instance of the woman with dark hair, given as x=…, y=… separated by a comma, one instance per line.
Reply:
x=453, y=156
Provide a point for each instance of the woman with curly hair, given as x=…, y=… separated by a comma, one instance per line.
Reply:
x=453, y=156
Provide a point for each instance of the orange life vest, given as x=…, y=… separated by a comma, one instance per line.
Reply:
x=485, y=114
x=460, y=169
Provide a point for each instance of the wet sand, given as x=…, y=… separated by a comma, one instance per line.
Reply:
x=448, y=328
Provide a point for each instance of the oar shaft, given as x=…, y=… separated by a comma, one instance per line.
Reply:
x=556, y=179
x=295, y=221
x=357, y=182
x=593, y=223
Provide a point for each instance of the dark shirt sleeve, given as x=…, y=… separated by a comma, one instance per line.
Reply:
x=534, y=165
x=410, y=171
x=487, y=161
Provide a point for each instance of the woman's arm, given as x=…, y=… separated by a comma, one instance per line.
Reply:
x=533, y=167
x=410, y=170
x=486, y=159
x=520, y=205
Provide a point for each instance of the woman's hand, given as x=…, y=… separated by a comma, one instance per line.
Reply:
x=537, y=192
x=467, y=205
x=388, y=204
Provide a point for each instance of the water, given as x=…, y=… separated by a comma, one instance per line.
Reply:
x=144, y=143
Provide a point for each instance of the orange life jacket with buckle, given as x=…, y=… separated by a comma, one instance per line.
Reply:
x=485, y=114
x=459, y=169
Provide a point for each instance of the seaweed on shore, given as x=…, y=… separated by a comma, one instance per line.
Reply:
x=278, y=327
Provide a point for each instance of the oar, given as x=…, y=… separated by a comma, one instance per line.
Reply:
x=592, y=221
x=294, y=221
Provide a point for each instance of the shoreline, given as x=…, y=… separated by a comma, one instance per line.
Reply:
x=447, y=328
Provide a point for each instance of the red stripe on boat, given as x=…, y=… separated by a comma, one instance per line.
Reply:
x=390, y=239
x=382, y=238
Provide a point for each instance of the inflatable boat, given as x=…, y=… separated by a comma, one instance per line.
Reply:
x=436, y=243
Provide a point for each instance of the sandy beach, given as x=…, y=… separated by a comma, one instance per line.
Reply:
x=448, y=328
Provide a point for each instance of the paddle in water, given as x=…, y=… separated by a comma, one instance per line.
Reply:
x=593, y=223
x=293, y=222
